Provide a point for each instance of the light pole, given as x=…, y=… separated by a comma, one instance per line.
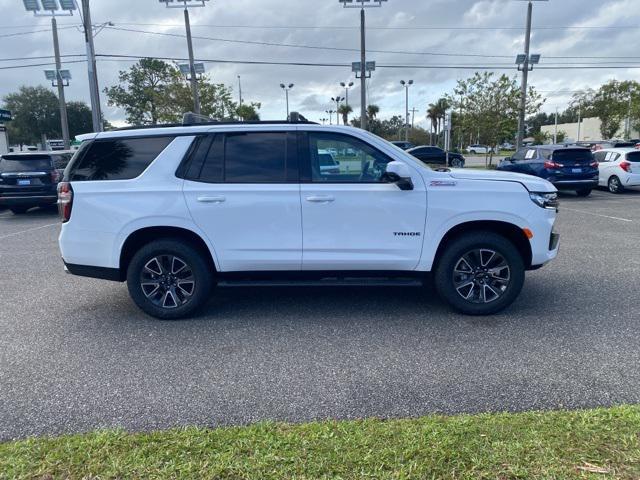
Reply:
x=323, y=120
x=286, y=89
x=337, y=99
x=555, y=129
x=330, y=113
x=527, y=65
x=186, y=4
x=362, y=4
x=346, y=87
x=406, y=86
x=50, y=8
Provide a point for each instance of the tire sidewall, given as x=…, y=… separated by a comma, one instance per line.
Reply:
x=444, y=271
x=620, y=188
x=191, y=255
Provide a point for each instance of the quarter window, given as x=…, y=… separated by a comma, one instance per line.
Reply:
x=354, y=161
x=117, y=158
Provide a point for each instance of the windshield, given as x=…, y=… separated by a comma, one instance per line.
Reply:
x=24, y=163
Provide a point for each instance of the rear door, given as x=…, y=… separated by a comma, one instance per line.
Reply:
x=26, y=175
x=355, y=220
x=242, y=189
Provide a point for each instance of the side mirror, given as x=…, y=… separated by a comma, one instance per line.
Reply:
x=398, y=173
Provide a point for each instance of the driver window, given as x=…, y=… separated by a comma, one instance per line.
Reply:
x=337, y=158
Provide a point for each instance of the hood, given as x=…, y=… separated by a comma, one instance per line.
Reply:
x=531, y=183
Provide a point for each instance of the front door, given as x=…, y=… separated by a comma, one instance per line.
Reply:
x=242, y=190
x=352, y=219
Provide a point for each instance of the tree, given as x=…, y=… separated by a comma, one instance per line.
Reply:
x=35, y=113
x=488, y=106
x=436, y=114
x=372, y=111
x=79, y=117
x=249, y=112
x=345, y=110
x=561, y=136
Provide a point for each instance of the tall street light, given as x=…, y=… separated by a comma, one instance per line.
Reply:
x=346, y=87
x=337, y=99
x=286, y=89
x=527, y=64
x=330, y=113
x=59, y=78
x=362, y=4
x=406, y=86
x=186, y=4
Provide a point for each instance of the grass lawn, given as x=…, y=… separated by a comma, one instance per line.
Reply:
x=601, y=443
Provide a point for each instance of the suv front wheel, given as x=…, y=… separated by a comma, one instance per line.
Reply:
x=169, y=279
x=480, y=273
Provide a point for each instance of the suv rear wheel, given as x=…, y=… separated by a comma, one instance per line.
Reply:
x=169, y=279
x=480, y=273
x=585, y=192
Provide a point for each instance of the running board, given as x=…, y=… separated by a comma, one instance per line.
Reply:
x=325, y=282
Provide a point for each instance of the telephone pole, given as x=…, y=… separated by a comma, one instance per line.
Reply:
x=94, y=90
x=63, y=104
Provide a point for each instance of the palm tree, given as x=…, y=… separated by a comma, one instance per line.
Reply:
x=372, y=111
x=436, y=113
x=345, y=110
x=432, y=115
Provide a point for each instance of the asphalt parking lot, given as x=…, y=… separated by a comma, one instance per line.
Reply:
x=76, y=354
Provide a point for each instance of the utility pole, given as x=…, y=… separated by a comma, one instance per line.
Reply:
x=363, y=73
x=413, y=115
x=579, y=120
x=239, y=98
x=94, y=91
x=406, y=86
x=525, y=75
x=63, y=104
x=627, y=130
x=192, y=68
x=555, y=131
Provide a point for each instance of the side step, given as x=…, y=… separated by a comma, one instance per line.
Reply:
x=324, y=282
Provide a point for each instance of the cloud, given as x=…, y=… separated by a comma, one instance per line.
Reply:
x=393, y=27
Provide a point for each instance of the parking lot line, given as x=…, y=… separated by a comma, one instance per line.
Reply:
x=597, y=214
x=28, y=230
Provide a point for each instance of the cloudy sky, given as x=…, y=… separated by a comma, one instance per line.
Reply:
x=403, y=35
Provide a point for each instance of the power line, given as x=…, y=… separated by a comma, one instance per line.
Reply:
x=13, y=67
x=42, y=57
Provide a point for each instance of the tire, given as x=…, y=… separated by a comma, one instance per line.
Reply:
x=19, y=210
x=177, y=279
x=585, y=192
x=456, y=163
x=614, y=185
x=472, y=152
x=464, y=291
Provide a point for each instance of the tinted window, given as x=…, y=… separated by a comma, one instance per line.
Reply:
x=600, y=156
x=255, y=157
x=327, y=160
x=117, y=158
x=519, y=155
x=633, y=157
x=208, y=160
x=61, y=161
x=24, y=163
x=357, y=161
x=577, y=155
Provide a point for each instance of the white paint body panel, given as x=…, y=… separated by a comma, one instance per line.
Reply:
x=274, y=227
x=606, y=170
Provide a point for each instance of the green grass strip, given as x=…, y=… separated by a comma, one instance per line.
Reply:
x=600, y=443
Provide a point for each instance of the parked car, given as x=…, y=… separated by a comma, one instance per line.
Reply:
x=328, y=164
x=403, y=145
x=619, y=168
x=567, y=167
x=476, y=148
x=437, y=156
x=604, y=144
x=30, y=179
x=175, y=210
x=507, y=146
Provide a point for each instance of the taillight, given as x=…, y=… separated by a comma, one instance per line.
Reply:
x=551, y=165
x=594, y=164
x=65, y=201
x=55, y=176
x=626, y=166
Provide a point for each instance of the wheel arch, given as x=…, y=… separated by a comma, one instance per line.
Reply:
x=143, y=236
x=508, y=230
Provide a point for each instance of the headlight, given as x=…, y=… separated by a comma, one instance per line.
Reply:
x=545, y=200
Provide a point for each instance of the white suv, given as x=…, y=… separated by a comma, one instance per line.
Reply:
x=177, y=210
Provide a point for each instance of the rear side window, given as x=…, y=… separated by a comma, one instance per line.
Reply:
x=24, y=163
x=577, y=155
x=117, y=158
x=255, y=157
x=61, y=161
x=633, y=157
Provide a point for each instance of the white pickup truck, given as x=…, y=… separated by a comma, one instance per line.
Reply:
x=174, y=211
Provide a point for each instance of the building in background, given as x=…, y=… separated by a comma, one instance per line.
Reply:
x=589, y=130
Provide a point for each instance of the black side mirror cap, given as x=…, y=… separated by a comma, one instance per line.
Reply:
x=402, y=183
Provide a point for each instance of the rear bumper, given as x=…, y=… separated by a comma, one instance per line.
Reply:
x=632, y=180
x=575, y=184
x=103, y=273
x=27, y=200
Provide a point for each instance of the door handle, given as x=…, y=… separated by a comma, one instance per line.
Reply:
x=211, y=199
x=320, y=198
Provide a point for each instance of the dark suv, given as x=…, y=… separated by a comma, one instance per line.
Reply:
x=30, y=179
x=567, y=167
